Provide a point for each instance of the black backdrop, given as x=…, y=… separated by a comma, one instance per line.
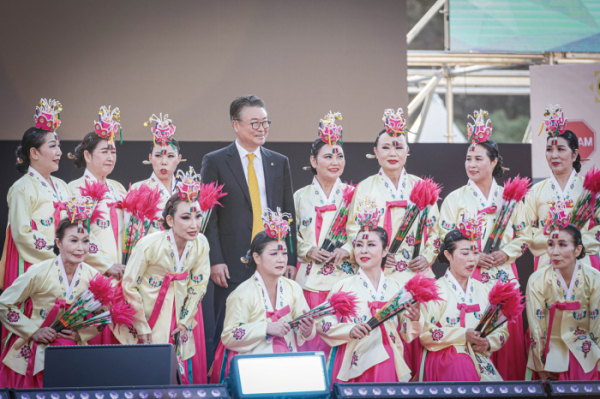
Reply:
x=445, y=162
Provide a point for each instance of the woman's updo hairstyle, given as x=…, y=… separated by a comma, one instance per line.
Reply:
x=575, y=234
x=32, y=138
x=170, y=208
x=314, y=151
x=175, y=143
x=60, y=232
x=89, y=143
x=493, y=153
x=449, y=244
x=383, y=237
x=573, y=145
x=258, y=246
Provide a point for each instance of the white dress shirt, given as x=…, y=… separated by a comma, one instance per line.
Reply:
x=258, y=169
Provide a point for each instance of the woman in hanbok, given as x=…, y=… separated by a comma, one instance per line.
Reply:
x=32, y=214
x=455, y=351
x=564, y=185
x=362, y=355
x=562, y=303
x=166, y=278
x=164, y=158
x=52, y=286
x=259, y=310
x=483, y=196
x=98, y=155
x=317, y=207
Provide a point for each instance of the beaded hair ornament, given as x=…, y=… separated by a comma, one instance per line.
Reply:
x=480, y=130
x=277, y=225
x=555, y=122
x=556, y=219
x=331, y=133
x=81, y=209
x=188, y=187
x=394, y=123
x=163, y=131
x=47, y=115
x=108, y=126
x=367, y=216
x=471, y=227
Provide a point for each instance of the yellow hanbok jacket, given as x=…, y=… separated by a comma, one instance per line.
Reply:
x=443, y=323
x=537, y=207
x=104, y=249
x=245, y=325
x=165, y=194
x=315, y=276
x=31, y=200
x=575, y=330
x=43, y=283
x=362, y=354
x=380, y=188
x=470, y=199
x=154, y=257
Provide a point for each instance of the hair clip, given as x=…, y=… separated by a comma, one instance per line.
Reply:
x=371, y=156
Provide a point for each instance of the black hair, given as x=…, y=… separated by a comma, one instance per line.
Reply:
x=383, y=237
x=449, y=244
x=60, y=232
x=380, y=134
x=244, y=101
x=314, y=151
x=173, y=141
x=575, y=234
x=493, y=153
x=573, y=145
x=32, y=138
x=259, y=243
x=89, y=143
x=170, y=208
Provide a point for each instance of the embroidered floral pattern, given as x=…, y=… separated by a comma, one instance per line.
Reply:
x=586, y=348
x=485, y=277
x=354, y=360
x=594, y=314
x=308, y=268
x=410, y=240
x=185, y=338
x=326, y=326
x=579, y=316
x=437, y=243
x=598, y=236
x=40, y=243
x=327, y=269
x=401, y=266
x=502, y=340
x=502, y=276
x=238, y=333
x=25, y=352
x=437, y=335
x=13, y=316
x=453, y=320
x=524, y=248
x=133, y=332
x=93, y=248
x=347, y=268
x=578, y=331
x=405, y=254
x=392, y=338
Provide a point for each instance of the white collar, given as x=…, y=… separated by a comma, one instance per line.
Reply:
x=64, y=274
x=243, y=152
x=391, y=184
x=569, y=289
x=379, y=289
x=488, y=200
x=266, y=292
x=333, y=189
x=42, y=178
x=557, y=186
x=453, y=280
x=178, y=260
x=161, y=185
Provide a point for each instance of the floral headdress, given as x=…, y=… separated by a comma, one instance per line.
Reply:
x=277, y=225
x=163, y=131
x=480, y=130
x=367, y=215
x=471, y=227
x=394, y=122
x=555, y=122
x=557, y=218
x=330, y=132
x=188, y=188
x=82, y=209
x=47, y=114
x=108, y=126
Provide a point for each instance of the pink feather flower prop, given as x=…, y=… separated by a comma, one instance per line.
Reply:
x=423, y=289
x=591, y=181
x=210, y=194
x=432, y=191
x=130, y=201
x=348, y=193
x=418, y=195
x=94, y=190
x=516, y=189
x=506, y=304
x=147, y=206
x=122, y=314
x=344, y=303
x=102, y=289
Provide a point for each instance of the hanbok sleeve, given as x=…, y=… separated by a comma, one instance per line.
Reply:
x=498, y=338
x=134, y=272
x=512, y=246
x=413, y=328
x=332, y=331
x=303, y=246
x=197, y=283
x=97, y=258
x=239, y=334
x=535, y=307
x=10, y=312
x=429, y=251
x=301, y=307
x=448, y=215
x=435, y=336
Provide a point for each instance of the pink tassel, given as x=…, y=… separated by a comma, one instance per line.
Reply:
x=210, y=194
x=95, y=190
x=516, y=189
x=423, y=289
x=102, y=289
x=592, y=181
x=344, y=303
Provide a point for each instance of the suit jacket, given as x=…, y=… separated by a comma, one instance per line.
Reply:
x=229, y=230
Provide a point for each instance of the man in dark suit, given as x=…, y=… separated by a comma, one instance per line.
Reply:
x=255, y=179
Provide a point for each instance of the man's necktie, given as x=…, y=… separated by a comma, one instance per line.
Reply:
x=257, y=225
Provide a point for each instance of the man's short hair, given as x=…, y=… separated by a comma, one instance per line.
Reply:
x=235, y=109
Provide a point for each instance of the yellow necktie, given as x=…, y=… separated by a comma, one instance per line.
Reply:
x=257, y=225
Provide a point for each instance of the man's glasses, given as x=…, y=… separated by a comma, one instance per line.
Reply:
x=257, y=125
